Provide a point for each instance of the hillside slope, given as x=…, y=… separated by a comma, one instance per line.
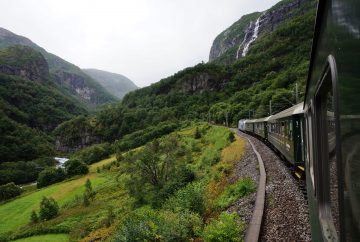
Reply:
x=30, y=105
x=222, y=93
x=235, y=42
x=118, y=85
x=69, y=77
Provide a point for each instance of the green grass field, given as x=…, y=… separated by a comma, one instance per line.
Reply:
x=16, y=213
x=46, y=238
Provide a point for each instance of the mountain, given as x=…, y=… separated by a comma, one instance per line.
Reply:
x=235, y=42
x=227, y=88
x=31, y=105
x=118, y=85
x=73, y=81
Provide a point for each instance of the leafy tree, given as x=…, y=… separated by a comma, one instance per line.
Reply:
x=75, y=167
x=48, y=208
x=93, y=153
x=50, y=176
x=155, y=172
x=8, y=191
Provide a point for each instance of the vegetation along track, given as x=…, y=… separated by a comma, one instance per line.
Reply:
x=285, y=215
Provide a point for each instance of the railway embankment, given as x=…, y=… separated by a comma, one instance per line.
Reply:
x=285, y=215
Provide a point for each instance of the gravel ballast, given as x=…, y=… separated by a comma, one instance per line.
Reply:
x=285, y=216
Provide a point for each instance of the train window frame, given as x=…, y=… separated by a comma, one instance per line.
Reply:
x=327, y=84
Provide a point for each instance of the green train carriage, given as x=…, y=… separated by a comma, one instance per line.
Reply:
x=332, y=118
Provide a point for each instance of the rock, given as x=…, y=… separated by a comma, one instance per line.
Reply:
x=200, y=83
x=25, y=62
x=237, y=36
x=76, y=83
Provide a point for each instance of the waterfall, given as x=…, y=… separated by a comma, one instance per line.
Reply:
x=253, y=38
x=244, y=40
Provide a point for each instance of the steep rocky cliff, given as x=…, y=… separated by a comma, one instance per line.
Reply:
x=201, y=82
x=68, y=76
x=25, y=62
x=236, y=41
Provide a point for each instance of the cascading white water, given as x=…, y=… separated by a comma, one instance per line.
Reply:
x=243, y=42
x=253, y=38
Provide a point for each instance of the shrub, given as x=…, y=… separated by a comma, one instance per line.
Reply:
x=8, y=191
x=34, y=217
x=233, y=192
x=225, y=228
x=197, y=133
x=50, y=176
x=231, y=137
x=93, y=153
x=89, y=194
x=48, y=208
x=75, y=167
x=146, y=224
x=189, y=198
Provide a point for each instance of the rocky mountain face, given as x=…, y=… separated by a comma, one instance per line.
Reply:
x=236, y=41
x=68, y=76
x=23, y=61
x=201, y=82
x=75, y=134
x=118, y=85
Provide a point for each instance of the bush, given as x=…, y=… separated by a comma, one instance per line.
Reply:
x=225, y=228
x=8, y=191
x=189, y=198
x=34, y=217
x=48, y=208
x=146, y=224
x=197, y=133
x=93, y=153
x=233, y=192
x=75, y=167
x=50, y=176
x=231, y=137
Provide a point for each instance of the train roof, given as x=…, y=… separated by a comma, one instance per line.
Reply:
x=261, y=119
x=249, y=121
x=296, y=109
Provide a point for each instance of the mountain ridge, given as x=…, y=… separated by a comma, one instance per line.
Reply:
x=117, y=84
x=67, y=75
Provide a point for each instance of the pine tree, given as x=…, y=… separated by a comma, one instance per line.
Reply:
x=34, y=217
x=89, y=194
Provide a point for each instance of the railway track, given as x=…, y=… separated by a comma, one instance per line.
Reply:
x=285, y=212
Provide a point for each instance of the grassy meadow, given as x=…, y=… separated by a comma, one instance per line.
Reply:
x=191, y=211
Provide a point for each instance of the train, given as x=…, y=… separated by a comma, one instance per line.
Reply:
x=320, y=137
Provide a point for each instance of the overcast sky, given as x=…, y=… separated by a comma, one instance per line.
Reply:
x=145, y=40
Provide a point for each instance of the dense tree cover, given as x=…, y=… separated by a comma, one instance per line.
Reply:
x=156, y=171
x=19, y=142
x=23, y=172
x=30, y=109
x=8, y=191
x=276, y=63
x=50, y=176
x=75, y=167
x=93, y=153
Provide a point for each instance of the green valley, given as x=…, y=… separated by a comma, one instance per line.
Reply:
x=157, y=163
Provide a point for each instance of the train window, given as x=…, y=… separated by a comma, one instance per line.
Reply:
x=310, y=151
x=290, y=130
x=326, y=156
